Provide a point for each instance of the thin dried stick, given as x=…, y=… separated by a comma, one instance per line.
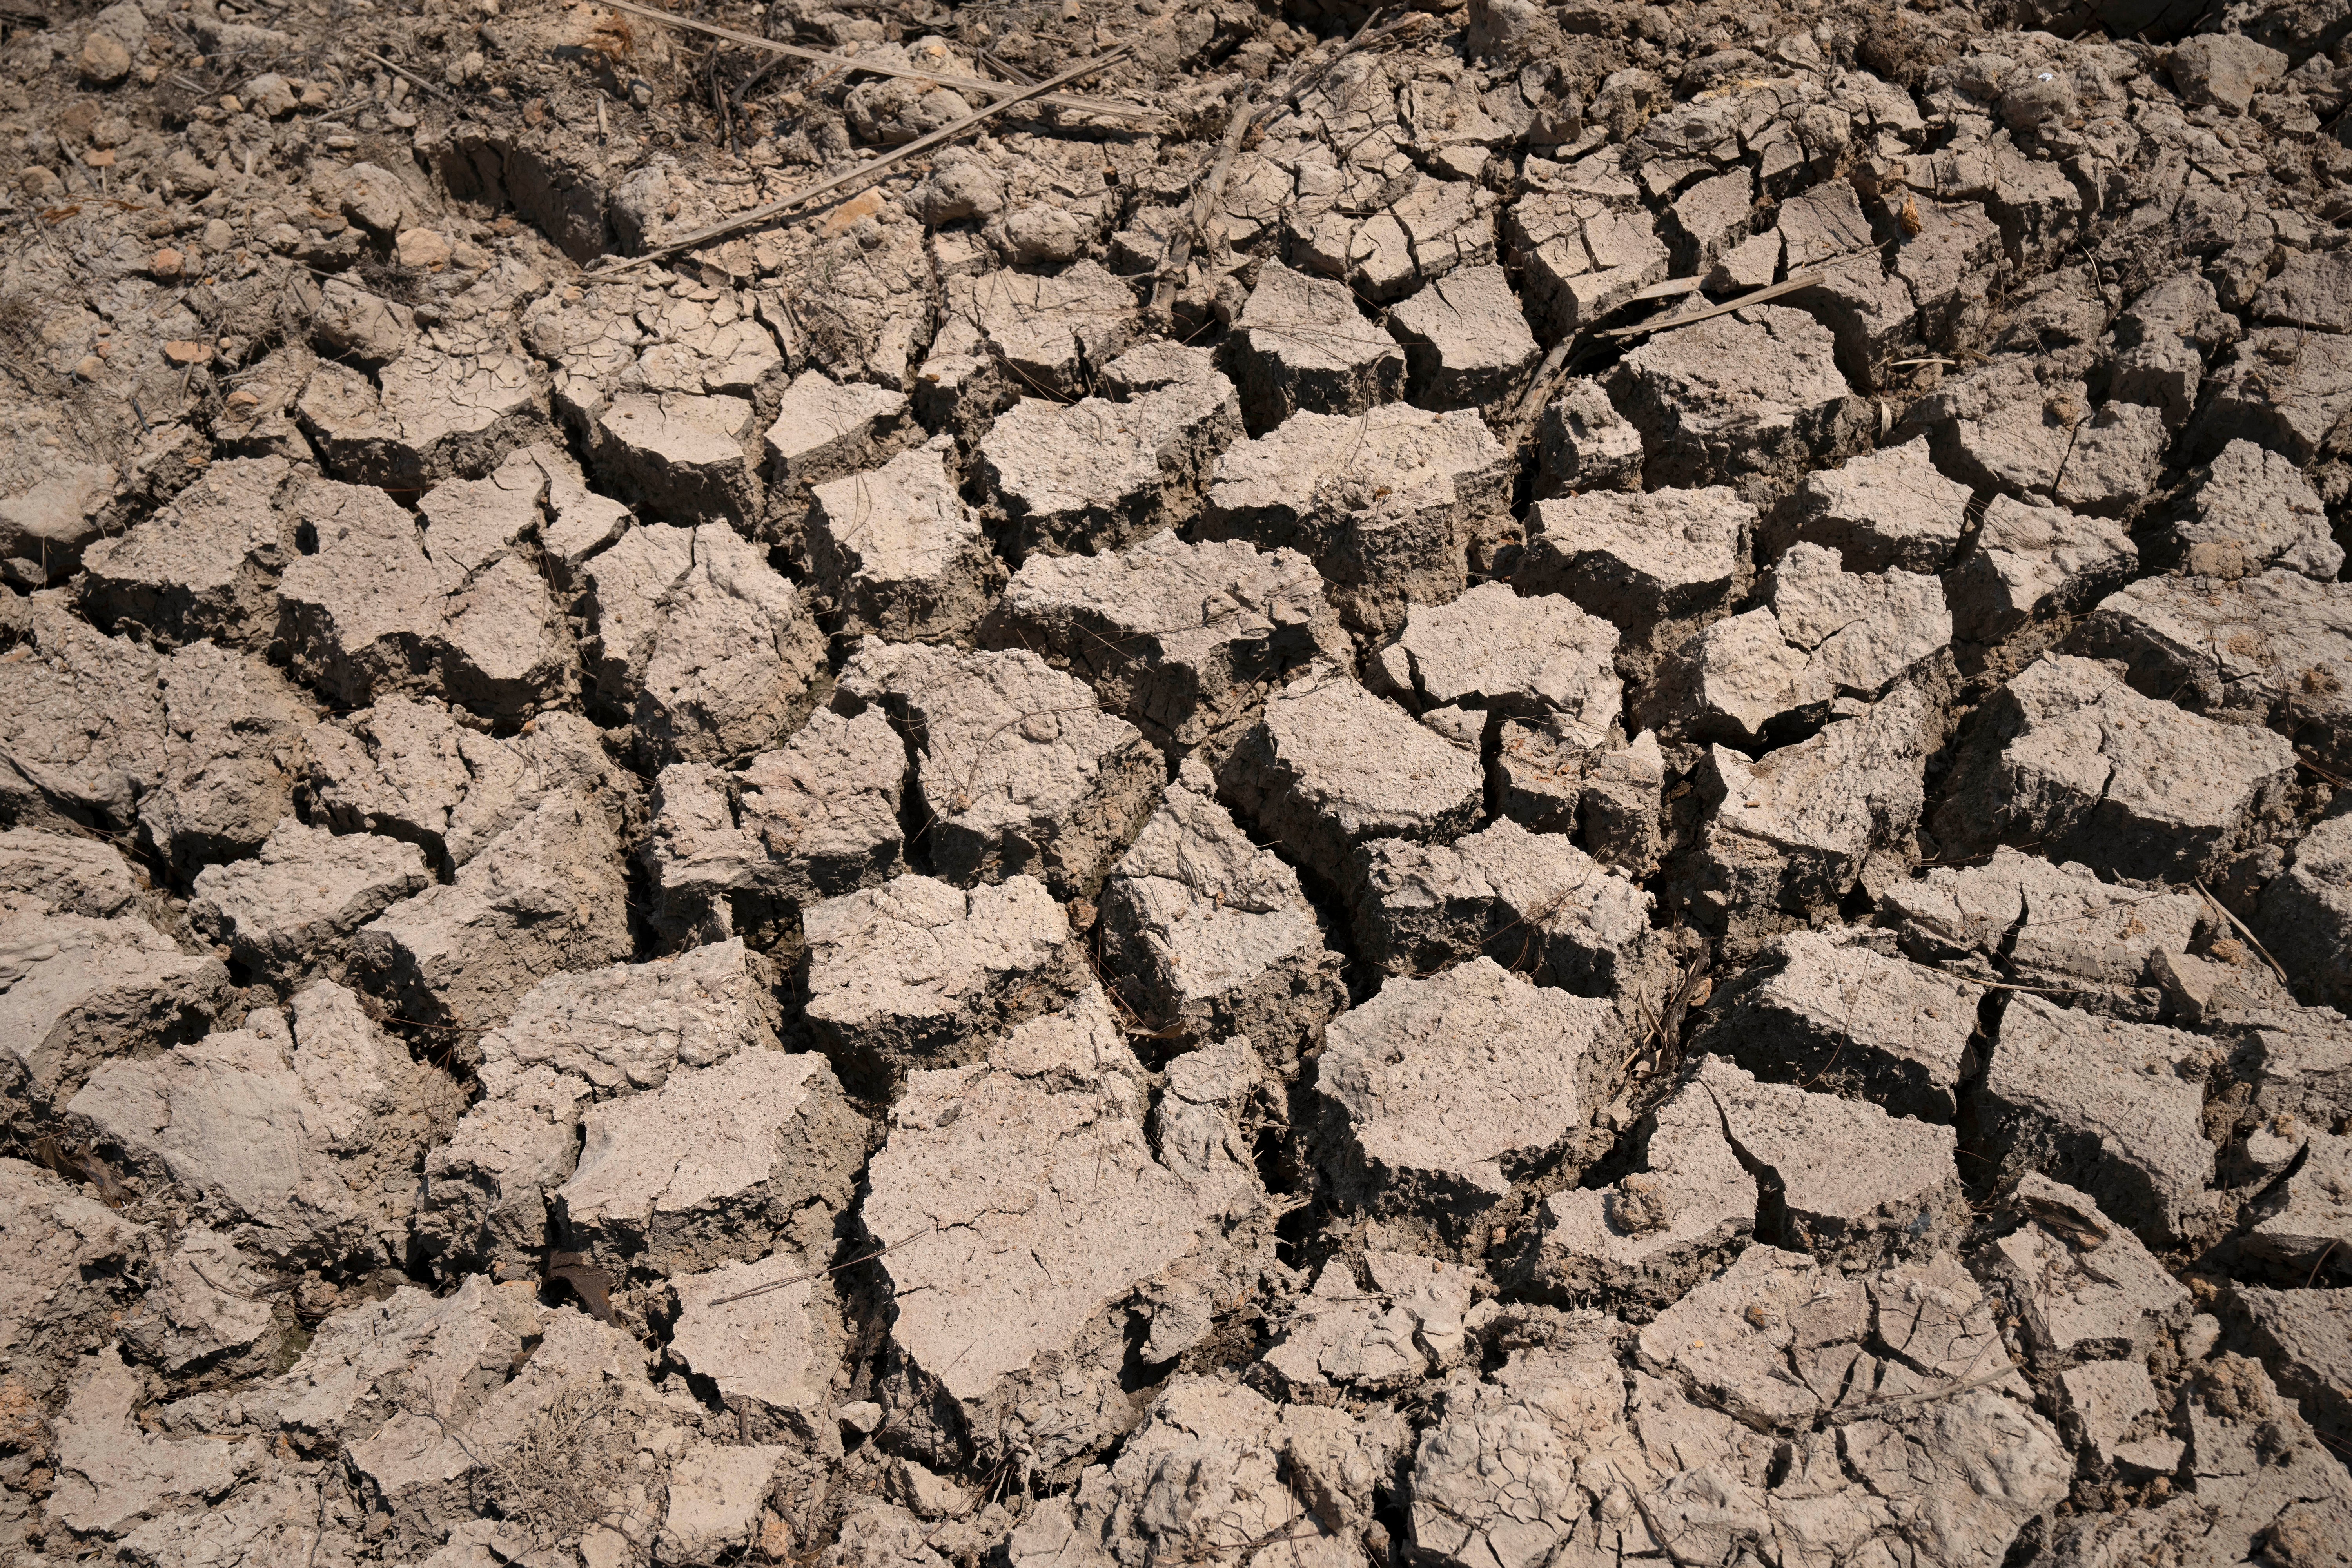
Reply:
x=806, y=194
x=1251, y=112
x=1860, y=1412
x=1204, y=206
x=2243, y=932
x=821, y=1273
x=1109, y=108
x=403, y=71
x=1788, y=285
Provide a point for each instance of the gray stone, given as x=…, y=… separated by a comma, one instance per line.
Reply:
x=1558, y=778
x=407, y=770
x=1585, y=444
x=917, y=970
x=1302, y=345
x=1212, y=936
x=2115, y=1108
x=1638, y=560
x=1331, y=765
x=2275, y=649
x=375, y=612
x=291, y=907
x=546, y=894
x=1386, y=503
x=737, y=852
x=2032, y=562
x=1755, y=393
x=1844, y=1179
x=206, y=565
x=720, y=1164
x=2088, y=1290
x=1792, y=830
x=1041, y=1151
x=1466, y=344
x=1811, y=1011
x=1656, y=1231
x=1533, y=902
x=299, y=1136
x=1180, y=640
x=1492, y=651
x=1442, y=1091
x=1016, y=769
x=2069, y=758
x=1887, y=509
x=898, y=552
x=2252, y=509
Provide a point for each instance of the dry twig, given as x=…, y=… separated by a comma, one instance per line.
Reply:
x=760, y=216
x=1109, y=108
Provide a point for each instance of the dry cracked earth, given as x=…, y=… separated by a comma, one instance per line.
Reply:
x=1521, y=786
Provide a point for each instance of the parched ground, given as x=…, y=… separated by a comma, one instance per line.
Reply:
x=1511, y=786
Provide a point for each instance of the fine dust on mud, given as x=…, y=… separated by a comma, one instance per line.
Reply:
x=1502, y=786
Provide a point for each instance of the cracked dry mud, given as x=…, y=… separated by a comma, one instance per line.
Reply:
x=1492, y=783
